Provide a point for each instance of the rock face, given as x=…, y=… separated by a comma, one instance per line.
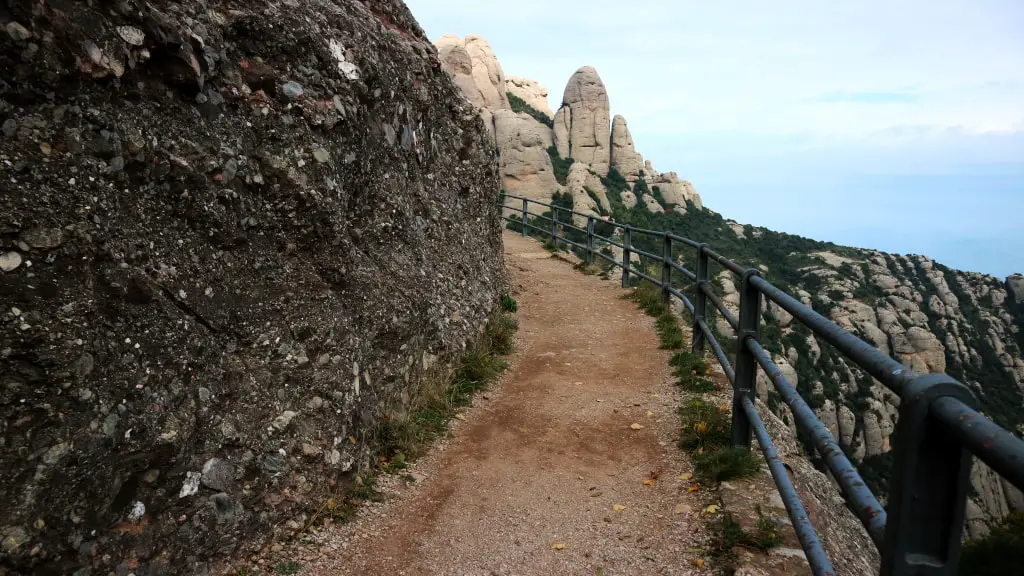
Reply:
x=244, y=230
x=582, y=123
x=531, y=92
x=523, y=155
x=674, y=190
x=475, y=69
x=625, y=158
x=520, y=140
x=1015, y=287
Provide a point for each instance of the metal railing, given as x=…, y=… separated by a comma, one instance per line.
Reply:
x=939, y=429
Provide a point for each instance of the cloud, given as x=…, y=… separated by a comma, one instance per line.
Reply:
x=867, y=97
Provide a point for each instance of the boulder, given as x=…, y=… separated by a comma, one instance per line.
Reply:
x=625, y=158
x=587, y=137
x=531, y=92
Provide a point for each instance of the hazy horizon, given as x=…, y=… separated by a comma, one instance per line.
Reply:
x=897, y=128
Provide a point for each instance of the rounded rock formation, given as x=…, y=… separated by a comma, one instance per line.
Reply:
x=584, y=132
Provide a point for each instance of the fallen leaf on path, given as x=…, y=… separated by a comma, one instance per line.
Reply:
x=712, y=509
x=460, y=417
x=636, y=426
x=693, y=488
x=352, y=439
x=648, y=482
x=558, y=545
x=618, y=507
x=655, y=473
x=698, y=562
x=649, y=413
x=686, y=476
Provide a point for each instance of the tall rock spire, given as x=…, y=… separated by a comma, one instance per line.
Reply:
x=582, y=124
x=625, y=159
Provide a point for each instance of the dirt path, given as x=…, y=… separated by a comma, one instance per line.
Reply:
x=544, y=457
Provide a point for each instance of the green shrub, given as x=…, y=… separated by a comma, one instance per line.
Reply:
x=508, y=303
x=999, y=553
x=725, y=464
x=671, y=335
x=727, y=535
x=648, y=297
x=691, y=372
x=519, y=105
x=560, y=165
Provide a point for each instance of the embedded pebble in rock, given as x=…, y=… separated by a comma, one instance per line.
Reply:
x=9, y=261
x=191, y=484
x=218, y=474
x=17, y=32
x=321, y=155
x=43, y=237
x=291, y=89
x=217, y=187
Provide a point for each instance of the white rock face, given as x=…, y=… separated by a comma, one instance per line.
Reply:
x=531, y=92
x=475, y=69
x=523, y=157
x=625, y=158
x=577, y=183
x=674, y=190
x=652, y=205
x=587, y=138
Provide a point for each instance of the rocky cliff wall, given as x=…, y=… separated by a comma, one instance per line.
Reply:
x=232, y=239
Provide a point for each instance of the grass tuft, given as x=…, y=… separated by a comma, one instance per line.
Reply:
x=691, y=372
x=725, y=464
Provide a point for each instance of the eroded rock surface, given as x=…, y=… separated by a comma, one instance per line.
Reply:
x=242, y=235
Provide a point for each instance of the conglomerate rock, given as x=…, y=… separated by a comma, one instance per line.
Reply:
x=234, y=238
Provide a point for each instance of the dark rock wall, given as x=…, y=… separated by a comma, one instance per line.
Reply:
x=233, y=235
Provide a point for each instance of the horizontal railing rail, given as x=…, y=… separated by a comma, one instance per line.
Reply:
x=939, y=427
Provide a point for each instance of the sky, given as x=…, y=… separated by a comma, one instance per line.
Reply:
x=896, y=124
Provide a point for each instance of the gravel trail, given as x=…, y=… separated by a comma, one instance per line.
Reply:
x=532, y=477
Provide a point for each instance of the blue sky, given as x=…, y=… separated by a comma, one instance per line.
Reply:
x=896, y=125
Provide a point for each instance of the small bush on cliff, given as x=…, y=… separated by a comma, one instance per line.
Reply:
x=520, y=105
x=560, y=165
x=727, y=535
x=999, y=553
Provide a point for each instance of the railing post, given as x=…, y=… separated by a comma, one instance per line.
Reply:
x=554, y=225
x=590, y=240
x=928, y=490
x=666, y=268
x=627, y=243
x=525, y=220
x=700, y=301
x=746, y=363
